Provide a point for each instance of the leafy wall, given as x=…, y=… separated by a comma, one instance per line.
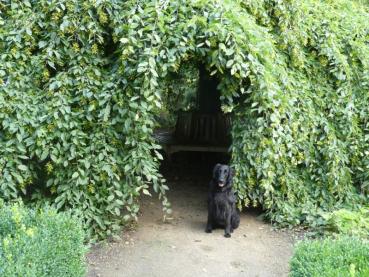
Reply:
x=82, y=81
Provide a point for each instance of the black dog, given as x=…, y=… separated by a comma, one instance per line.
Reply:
x=222, y=201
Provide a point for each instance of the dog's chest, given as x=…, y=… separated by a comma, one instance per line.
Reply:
x=221, y=199
x=221, y=205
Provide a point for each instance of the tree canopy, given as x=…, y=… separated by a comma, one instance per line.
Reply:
x=82, y=81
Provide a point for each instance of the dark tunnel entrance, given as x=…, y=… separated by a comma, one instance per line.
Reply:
x=203, y=127
x=200, y=136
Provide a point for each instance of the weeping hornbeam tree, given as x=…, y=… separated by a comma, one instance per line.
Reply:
x=81, y=83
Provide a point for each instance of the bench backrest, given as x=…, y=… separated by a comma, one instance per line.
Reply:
x=200, y=128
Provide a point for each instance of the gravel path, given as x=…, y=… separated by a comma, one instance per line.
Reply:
x=181, y=248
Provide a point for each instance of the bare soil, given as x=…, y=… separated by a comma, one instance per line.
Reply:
x=181, y=248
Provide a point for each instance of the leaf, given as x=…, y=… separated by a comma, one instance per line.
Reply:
x=229, y=63
x=22, y=167
x=145, y=191
x=119, y=202
x=106, y=113
x=44, y=154
x=124, y=40
x=42, y=44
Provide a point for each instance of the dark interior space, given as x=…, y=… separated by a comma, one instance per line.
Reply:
x=202, y=129
x=208, y=97
x=188, y=175
x=205, y=124
x=192, y=166
x=201, y=138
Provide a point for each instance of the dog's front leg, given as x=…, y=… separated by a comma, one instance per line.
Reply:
x=228, y=224
x=209, y=224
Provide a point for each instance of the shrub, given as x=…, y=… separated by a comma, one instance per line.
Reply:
x=348, y=222
x=40, y=243
x=344, y=256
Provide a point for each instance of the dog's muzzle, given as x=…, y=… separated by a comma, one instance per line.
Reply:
x=221, y=184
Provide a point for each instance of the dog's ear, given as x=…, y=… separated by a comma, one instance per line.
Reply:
x=215, y=170
x=231, y=173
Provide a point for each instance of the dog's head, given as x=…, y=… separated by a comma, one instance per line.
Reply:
x=222, y=176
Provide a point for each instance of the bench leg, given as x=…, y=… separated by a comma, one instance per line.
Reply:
x=168, y=153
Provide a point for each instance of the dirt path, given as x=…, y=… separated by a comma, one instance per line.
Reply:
x=181, y=248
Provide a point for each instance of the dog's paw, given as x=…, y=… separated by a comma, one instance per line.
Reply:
x=227, y=235
x=208, y=231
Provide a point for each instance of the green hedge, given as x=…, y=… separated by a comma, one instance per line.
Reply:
x=40, y=243
x=348, y=222
x=346, y=256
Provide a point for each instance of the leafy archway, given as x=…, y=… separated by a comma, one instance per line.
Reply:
x=297, y=115
x=82, y=81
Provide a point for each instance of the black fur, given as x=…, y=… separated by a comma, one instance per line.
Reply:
x=222, y=210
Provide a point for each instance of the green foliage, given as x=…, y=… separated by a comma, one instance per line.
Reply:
x=75, y=126
x=348, y=222
x=181, y=88
x=40, y=243
x=180, y=91
x=81, y=83
x=344, y=256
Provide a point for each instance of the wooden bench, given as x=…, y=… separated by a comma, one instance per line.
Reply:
x=170, y=149
x=196, y=132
